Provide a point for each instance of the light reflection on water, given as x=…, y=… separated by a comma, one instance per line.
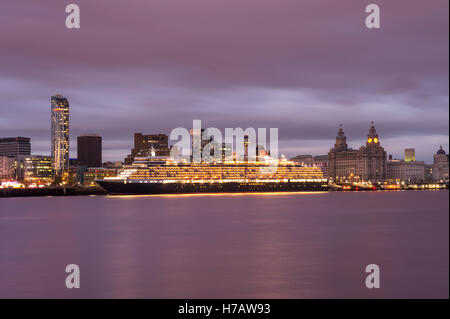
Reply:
x=277, y=194
x=278, y=245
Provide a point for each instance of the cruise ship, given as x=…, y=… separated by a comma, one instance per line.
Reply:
x=161, y=175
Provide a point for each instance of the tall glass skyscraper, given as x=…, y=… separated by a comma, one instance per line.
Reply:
x=60, y=135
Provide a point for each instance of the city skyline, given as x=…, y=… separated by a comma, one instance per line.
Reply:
x=172, y=68
x=170, y=143
x=225, y=158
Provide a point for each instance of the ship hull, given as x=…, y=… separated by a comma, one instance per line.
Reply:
x=138, y=188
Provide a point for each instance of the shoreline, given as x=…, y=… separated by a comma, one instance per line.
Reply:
x=54, y=191
x=98, y=191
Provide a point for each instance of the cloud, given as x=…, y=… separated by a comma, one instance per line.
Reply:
x=301, y=66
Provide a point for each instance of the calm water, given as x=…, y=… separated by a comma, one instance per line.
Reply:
x=235, y=246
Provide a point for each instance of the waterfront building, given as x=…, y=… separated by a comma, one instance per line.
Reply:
x=19, y=167
x=60, y=135
x=428, y=173
x=6, y=168
x=89, y=150
x=372, y=158
x=15, y=146
x=38, y=168
x=91, y=174
x=405, y=171
x=367, y=164
x=145, y=144
x=87, y=175
x=410, y=155
x=34, y=168
x=440, y=166
x=342, y=160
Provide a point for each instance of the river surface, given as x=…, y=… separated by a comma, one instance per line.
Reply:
x=299, y=245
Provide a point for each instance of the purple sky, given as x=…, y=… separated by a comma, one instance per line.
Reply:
x=304, y=66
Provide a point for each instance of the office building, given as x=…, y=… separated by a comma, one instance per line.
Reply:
x=15, y=146
x=145, y=144
x=90, y=175
x=34, y=168
x=89, y=150
x=405, y=171
x=38, y=168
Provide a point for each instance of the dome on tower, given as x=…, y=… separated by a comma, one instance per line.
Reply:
x=441, y=151
x=372, y=137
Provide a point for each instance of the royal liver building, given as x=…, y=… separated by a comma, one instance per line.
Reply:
x=368, y=163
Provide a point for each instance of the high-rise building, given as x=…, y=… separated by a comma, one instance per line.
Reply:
x=145, y=144
x=15, y=146
x=89, y=150
x=410, y=155
x=60, y=134
x=440, y=166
